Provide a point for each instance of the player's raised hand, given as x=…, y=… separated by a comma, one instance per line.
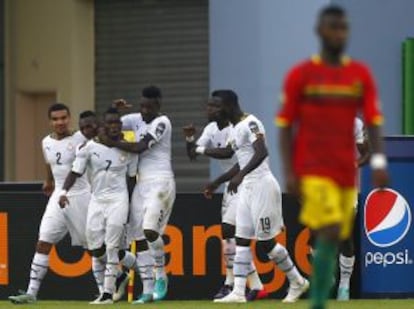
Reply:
x=209, y=190
x=380, y=178
x=121, y=104
x=63, y=201
x=189, y=130
x=235, y=183
x=48, y=188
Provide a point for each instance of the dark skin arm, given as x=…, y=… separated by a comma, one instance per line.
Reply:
x=69, y=182
x=379, y=176
x=138, y=147
x=212, y=186
x=285, y=146
x=260, y=153
x=49, y=183
x=190, y=131
x=364, y=153
x=219, y=153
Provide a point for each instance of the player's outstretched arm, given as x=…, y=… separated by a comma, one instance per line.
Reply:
x=364, y=153
x=212, y=186
x=189, y=132
x=216, y=153
x=260, y=153
x=69, y=182
x=378, y=160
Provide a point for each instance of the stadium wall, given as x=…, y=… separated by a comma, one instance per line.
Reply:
x=49, y=56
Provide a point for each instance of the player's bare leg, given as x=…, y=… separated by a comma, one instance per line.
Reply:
x=156, y=246
x=40, y=265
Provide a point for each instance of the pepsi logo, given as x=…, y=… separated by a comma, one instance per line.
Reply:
x=387, y=217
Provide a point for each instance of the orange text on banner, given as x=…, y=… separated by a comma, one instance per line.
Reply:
x=4, y=250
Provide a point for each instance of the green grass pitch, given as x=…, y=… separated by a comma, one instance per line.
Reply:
x=266, y=304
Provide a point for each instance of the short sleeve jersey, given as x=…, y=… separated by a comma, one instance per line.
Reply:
x=108, y=169
x=322, y=101
x=60, y=154
x=242, y=137
x=213, y=137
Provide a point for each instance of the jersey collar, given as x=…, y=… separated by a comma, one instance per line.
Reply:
x=317, y=59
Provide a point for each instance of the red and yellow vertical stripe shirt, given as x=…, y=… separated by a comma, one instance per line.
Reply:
x=321, y=101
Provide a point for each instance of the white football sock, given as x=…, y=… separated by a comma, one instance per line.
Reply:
x=157, y=251
x=38, y=271
x=346, y=266
x=229, y=251
x=253, y=279
x=145, y=262
x=242, y=266
x=98, y=269
x=111, y=270
x=281, y=257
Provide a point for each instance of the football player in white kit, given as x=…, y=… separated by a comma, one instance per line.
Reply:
x=216, y=135
x=154, y=193
x=259, y=211
x=59, y=153
x=346, y=248
x=109, y=205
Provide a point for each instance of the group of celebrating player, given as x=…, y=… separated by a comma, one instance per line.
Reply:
x=96, y=196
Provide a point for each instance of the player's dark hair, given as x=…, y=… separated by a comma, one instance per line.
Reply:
x=227, y=96
x=57, y=107
x=86, y=114
x=152, y=92
x=332, y=10
x=112, y=111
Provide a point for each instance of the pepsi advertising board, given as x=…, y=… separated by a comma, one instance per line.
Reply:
x=387, y=232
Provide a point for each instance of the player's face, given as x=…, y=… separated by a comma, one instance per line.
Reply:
x=334, y=32
x=214, y=109
x=89, y=127
x=113, y=126
x=149, y=109
x=59, y=121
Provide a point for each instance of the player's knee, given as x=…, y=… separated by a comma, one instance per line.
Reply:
x=151, y=235
x=43, y=247
x=266, y=246
x=227, y=230
x=121, y=254
x=141, y=245
x=243, y=242
x=98, y=252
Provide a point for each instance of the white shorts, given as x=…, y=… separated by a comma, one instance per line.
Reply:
x=57, y=222
x=106, y=222
x=229, y=207
x=259, y=213
x=151, y=206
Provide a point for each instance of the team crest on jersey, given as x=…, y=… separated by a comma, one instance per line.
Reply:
x=70, y=147
x=254, y=128
x=159, y=131
x=233, y=145
x=122, y=158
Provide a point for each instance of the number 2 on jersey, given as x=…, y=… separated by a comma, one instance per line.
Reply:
x=108, y=164
x=58, y=158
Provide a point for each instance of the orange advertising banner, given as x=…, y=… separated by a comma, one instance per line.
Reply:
x=4, y=252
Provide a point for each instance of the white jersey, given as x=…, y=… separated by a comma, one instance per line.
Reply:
x=242, y=137
x=108, y=169
x=155, y=162
x=213, y=137
x=60, y=154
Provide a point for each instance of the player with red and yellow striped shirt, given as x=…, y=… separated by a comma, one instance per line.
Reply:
x=321, y=98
